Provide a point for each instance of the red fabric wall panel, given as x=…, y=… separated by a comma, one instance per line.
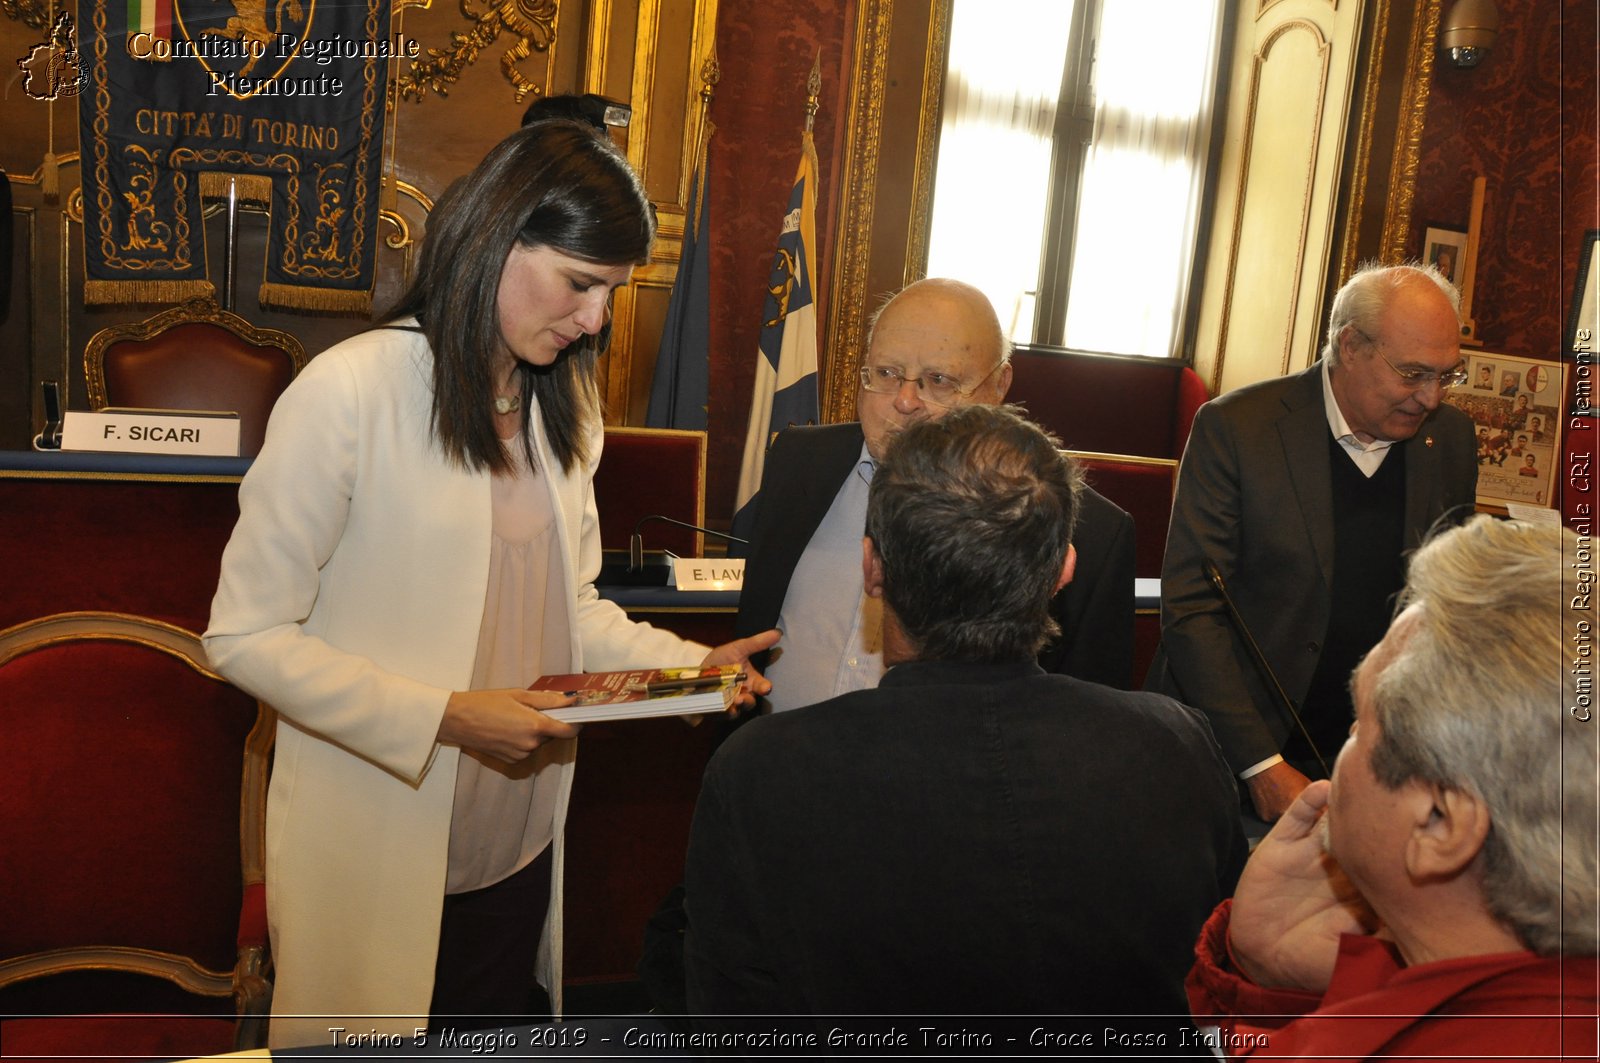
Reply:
x=766, y=53
x=1505, y=120
x=1525, y=119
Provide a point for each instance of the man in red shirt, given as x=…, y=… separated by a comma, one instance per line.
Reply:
x=1438, y=896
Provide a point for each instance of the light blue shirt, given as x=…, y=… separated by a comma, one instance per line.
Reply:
x=832, y=634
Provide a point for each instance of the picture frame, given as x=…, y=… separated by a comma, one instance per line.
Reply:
x=1518, y=422
x=1450, y=244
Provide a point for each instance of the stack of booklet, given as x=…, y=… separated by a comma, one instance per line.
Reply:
x=644, y=692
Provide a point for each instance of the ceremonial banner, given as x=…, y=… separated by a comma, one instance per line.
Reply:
x=286, y=96
x=679, y=390
x=786, y=368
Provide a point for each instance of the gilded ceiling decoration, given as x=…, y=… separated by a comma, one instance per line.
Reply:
x=531, y=23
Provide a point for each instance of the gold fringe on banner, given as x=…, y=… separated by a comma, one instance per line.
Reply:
x=104, y=292
x=298, y=297
x=249, y=187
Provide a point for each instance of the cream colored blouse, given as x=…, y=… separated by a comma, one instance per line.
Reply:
x=504, y=814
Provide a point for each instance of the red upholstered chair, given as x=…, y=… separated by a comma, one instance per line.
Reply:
x=132, y=798
x=1128, y=419
x=647, y=471
x=1191, y=396
x=1111, y=404
x=197, y=356
x=1142, y=486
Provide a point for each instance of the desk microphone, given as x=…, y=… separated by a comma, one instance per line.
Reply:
x=636, y=541
x=50, y=438
x=1260, y=659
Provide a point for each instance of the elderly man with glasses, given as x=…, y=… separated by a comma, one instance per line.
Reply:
x=968, y=837
x=934, y=347
x=1305, y=493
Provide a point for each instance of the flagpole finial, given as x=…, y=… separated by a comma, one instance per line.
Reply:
x=813, y=90
x=710, y=74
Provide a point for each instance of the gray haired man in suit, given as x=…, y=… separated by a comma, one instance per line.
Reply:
x=936, y=346
x=1305, y=493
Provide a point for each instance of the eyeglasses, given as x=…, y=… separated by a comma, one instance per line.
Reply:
x=1417, y=379
x=935, y=389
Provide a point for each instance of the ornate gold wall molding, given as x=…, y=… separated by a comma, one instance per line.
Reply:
x=1263, y=6
x=598, y=50
x=934, y=62
x=402, y=239
x=642, y=86
x=405, y=188
x=853, y=247
x=532, y=24
x=1360, y=173
x=1391, y=175
x=69, y=158
x=1408, y=142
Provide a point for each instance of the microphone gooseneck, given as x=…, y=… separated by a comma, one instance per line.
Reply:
x=1214, y=576
x=636, y=540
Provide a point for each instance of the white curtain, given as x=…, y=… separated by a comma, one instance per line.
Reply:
x=1134, y=234
x=992, y=185
x=1133, y=245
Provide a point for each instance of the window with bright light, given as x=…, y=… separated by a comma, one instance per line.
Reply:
x=1071, y=160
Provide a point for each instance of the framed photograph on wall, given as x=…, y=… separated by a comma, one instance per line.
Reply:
x=1447, y=249
x=1515, y=406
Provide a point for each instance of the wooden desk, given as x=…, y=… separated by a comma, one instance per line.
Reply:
x=144, y=535
x=122, y=533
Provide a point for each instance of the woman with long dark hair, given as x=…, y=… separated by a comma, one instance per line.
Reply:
x=417, y=542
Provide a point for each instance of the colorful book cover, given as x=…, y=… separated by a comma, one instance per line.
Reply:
x=644, y=692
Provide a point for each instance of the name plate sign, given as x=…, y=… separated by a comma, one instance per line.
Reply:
x=127, y=431
x=708, y=574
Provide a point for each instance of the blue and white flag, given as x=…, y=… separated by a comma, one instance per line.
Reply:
x=678, y=394
x=786, y=371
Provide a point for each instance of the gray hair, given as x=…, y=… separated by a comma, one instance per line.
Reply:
x=961, y=289
x=1482, y=692
x=972, y=515
x=1365, y=296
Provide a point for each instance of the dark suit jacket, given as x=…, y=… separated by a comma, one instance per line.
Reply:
x=804, y=470
x=965, y=838
x=1255, y=495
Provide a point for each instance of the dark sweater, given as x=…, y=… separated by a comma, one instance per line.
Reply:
x=966, y=838
x=1368, y=571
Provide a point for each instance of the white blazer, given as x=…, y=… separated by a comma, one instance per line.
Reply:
x=351, y=596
